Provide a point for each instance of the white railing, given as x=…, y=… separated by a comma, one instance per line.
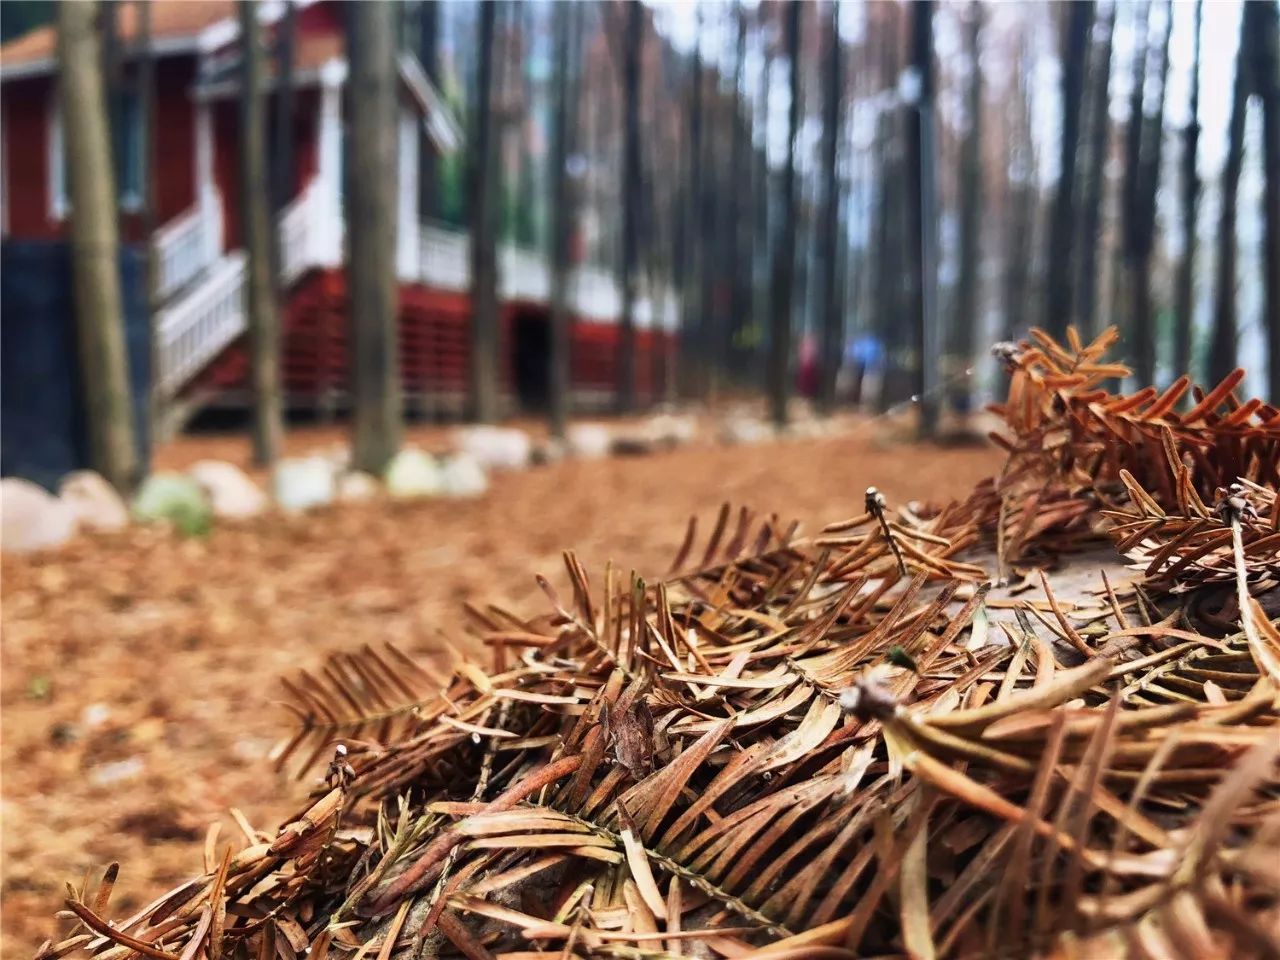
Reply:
x=523, y=274
x=200, y=324
x=296, y=227
x=198, y=327
x=594, y=293
x=445, y=254
x=183, y=248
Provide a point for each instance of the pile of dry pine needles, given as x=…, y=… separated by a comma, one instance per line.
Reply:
x=830, y=747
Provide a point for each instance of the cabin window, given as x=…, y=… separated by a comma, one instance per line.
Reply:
x=128, y=151
x=57, y=162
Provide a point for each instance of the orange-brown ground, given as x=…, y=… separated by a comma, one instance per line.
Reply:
x=140, y=670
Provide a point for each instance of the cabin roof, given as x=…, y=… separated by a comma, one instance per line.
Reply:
x=175, y=25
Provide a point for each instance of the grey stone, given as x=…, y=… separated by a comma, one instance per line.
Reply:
x=31, y=518
x=94, y=502
x=230, y=490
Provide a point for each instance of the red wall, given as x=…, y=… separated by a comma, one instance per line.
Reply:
x=434, y=345
x=173, y=146
x=27, y=104
x=226, y=152
x=26, y=132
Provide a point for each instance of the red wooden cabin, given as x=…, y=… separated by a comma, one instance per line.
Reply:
x=190, y=168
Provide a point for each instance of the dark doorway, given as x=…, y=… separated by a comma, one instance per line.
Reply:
x=532, y=359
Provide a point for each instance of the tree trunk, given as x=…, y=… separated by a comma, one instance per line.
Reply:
x=1222, y=351
x=709, y=325
x=1143, y=323
x=1266, y=79
x=104, y=364
x=829, y=301
x=113, y=83
x=429, y=56
x=1093, y=185
x=965, y=321
x=923, y=223
x=482, y=203
x=630, y=205
x=739, y=227
x=260, y=311
x=761, y=304
x=785, y=242
x=1061, y=242
x=1020, y=299
x=1185, y=282
x=693, y=326
x=1131, y=202
x=147, y=214
x=567, y=19
x=282, y=178
x=371, y=232
x=889, y=285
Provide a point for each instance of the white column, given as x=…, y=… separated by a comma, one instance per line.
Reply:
x=206, y=190
x=407, y=232
x=328, y=221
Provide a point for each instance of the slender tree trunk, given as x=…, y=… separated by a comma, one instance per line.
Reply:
x=738, y=271
x=1132, y=196
x=282, y=178
x=282, y=158
x=104, y=362
x=1058, y=282
x=482, y=202
x=259, y=286
x=708, y=246
x=1222, y=350
x=1143, y=322
x=964, y=323
x=1185, y=283
x=147, y=214
x=429, y=56
x=630, y=205
x=113, y=81
x=922, y=230
x=1266, y=38
x=1093, y=185
x=1019, y=215
x=693, y=334
x=888, y=247
x=371, y=229
x=829, y=300
x=567, y=18
x=761, y=230
x=784, y=245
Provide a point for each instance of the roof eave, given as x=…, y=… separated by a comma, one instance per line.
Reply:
x=161, y=47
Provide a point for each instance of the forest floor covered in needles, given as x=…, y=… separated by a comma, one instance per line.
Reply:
x=141, y=671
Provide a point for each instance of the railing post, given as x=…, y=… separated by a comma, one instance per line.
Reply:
x=407, y=235
x=328, y=213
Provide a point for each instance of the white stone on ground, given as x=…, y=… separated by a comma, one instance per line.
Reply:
x=231, y=492
x=463, y=476
x=413, y=473
x=94, y=502
x=495, y=448
x=300, y=483
x=672, y=429
x=31, y=518
x=745, y=430
x=358, y=486
x=589, y=441
x=175, y=498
